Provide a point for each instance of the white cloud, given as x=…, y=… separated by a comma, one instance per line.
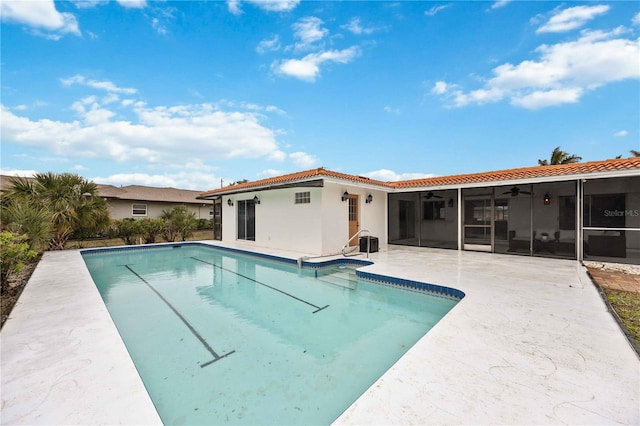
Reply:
x=40, y=15
x=440, y=88
x=636, y=19
x=102, y=85
x=158, y=135
x=621, y=134
x=85, y=4
x=435, y=9
x=269, y=45
x=391, y=110
x=133, y=4
x=275, y=5
x=19, y=173
x=386, y=175
x=542, y=98
x=500, y=3
x=308, y=30
x=572, y=18
x=267, y=5
x=158, y=26
x=79, y=167
x=563, y=73
x=188, y=179
x=270, y=173
x=308, y=68
x=302, y=159
x=234, y=7
x=355, y=27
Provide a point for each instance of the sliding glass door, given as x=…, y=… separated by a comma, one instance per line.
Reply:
x=246, y=220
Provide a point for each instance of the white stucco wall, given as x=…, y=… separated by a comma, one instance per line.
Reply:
x=319, y=227
x=335, y=216
x=120, y=209
x=280, y=223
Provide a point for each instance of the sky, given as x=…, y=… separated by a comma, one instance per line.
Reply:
x=199, y=94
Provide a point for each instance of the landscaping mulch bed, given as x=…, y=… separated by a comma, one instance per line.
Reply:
x=13, y=290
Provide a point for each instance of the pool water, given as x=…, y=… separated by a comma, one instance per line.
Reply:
x=220, y=337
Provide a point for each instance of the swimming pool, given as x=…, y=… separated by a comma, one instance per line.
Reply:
x=223, y=337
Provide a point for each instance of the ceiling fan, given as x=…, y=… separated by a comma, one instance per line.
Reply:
x=431, y=195
x=515, y=191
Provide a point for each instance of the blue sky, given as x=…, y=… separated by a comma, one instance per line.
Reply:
x=187, y=93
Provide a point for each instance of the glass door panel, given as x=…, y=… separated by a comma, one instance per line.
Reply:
x=477, y=224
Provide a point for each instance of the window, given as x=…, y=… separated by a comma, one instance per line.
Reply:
x=211, y=211
x=138, y=209
x=303, y=197
x=433, y=210
x=353, y=209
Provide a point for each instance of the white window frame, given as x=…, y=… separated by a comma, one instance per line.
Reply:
x=303, y=197
x=137, y=207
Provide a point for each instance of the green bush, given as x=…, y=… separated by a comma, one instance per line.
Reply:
x=128, y=229
x=179, y=223
x=14, y=253
x=205, y=224
x=150, y=229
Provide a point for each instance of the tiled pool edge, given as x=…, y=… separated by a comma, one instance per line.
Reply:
x=429, y=288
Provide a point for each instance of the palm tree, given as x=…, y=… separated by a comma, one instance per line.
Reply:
x=71, y=203
x=560, y=157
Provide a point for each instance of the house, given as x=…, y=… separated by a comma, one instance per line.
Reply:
x=135, y=201
x=578, y=211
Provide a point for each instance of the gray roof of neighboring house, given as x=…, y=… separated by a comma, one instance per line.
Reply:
x=148, y=193
x=137, y=193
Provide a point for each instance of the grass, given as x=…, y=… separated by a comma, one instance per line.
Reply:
x=627, y=306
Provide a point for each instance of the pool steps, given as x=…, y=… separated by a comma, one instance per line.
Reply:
x=342, y=276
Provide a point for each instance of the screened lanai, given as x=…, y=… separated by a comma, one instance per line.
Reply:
x=588, y=217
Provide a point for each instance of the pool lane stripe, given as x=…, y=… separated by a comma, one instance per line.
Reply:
x=216, y=357
x=318, y=308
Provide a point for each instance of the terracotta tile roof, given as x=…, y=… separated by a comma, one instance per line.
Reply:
x=499, y=175
x=295, y=177
x=525, y=173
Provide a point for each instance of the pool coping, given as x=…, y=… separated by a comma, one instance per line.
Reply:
x=68, y=365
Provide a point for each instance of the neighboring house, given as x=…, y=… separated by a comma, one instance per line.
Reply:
x=144, y=201
x=575, y=211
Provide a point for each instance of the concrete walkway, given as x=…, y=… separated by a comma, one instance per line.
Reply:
x=531, y=343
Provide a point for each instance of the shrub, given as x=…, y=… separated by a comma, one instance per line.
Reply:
x=14, y=252
x=128, y=229
x=150, y=229
x=179, y=222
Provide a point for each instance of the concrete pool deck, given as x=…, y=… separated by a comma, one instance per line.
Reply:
x=531, y=343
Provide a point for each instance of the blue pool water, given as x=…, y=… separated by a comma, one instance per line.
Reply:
x=225, y=338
